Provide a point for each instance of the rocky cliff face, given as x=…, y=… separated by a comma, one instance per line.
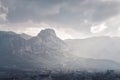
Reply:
x=46, y=48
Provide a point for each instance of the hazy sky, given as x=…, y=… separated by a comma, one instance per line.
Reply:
x=70, y=18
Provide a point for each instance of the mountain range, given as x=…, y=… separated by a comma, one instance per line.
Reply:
x=103, y=47
x=46, y=50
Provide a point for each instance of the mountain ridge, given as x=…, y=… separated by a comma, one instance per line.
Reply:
x=97, y=47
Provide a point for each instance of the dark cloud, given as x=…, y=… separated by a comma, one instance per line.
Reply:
x=76, y=14
x=22, y=10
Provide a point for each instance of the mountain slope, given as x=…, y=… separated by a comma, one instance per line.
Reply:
x=10, y=54
x=47, y=51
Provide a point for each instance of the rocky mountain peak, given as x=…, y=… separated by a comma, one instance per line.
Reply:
x=47, y=33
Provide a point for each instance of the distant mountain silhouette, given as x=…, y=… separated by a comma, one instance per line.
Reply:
x=103, y=47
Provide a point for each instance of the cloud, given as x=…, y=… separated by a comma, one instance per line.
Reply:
x=98, y=28
x=60, y=10
x=37, y=10
x=3, y=13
